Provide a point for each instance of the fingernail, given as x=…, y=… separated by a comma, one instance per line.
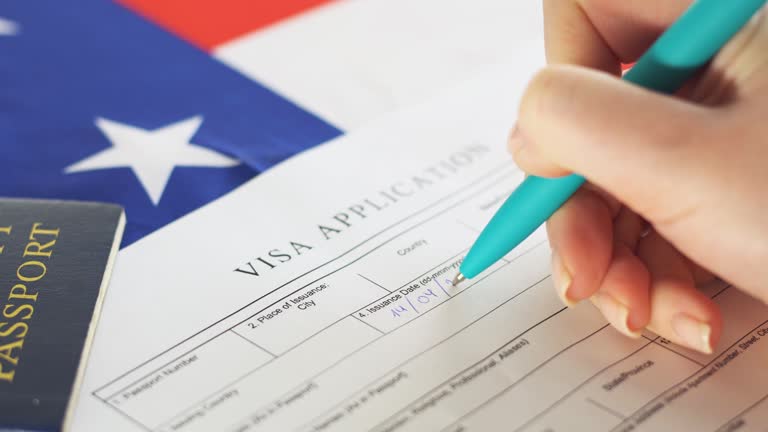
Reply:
x=515, y=141
x=696, y=334
x=616, y=313
x=562, y=279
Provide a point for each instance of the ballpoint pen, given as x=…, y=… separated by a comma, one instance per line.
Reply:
x=686, y=46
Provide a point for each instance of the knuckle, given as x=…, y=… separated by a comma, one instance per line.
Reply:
x=551, y=91
x=535, y=94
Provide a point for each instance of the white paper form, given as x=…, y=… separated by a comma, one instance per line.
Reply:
x=318, y=298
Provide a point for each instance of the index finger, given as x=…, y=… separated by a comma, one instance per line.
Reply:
x=602, y=34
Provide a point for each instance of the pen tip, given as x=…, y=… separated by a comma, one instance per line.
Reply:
x=458, y=279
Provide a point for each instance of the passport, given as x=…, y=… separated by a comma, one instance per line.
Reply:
x=55, y=261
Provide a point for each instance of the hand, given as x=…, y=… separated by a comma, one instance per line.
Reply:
x=678, y=186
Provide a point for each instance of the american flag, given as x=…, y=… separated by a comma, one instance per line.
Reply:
x=164, y=106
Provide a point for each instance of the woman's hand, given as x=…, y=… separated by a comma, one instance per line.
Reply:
x=678, y=186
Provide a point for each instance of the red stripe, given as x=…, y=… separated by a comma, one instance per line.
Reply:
x=208, y=23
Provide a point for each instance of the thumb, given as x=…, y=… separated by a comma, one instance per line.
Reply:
x=645, y=148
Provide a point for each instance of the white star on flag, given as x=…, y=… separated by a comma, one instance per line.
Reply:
x=151, y=155
x=8, y=27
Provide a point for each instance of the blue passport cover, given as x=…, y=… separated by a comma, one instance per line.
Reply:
x=55, y=259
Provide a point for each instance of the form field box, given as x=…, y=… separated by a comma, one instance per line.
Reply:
x=288, y=323
x=284, y=388
x=396, y=263
x=185, y=380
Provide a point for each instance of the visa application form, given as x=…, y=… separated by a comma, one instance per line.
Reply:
x=318, y=298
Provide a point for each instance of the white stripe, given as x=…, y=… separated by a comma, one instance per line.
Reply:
x=351, y=61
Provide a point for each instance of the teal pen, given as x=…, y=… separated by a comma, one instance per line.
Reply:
x=680, y=51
